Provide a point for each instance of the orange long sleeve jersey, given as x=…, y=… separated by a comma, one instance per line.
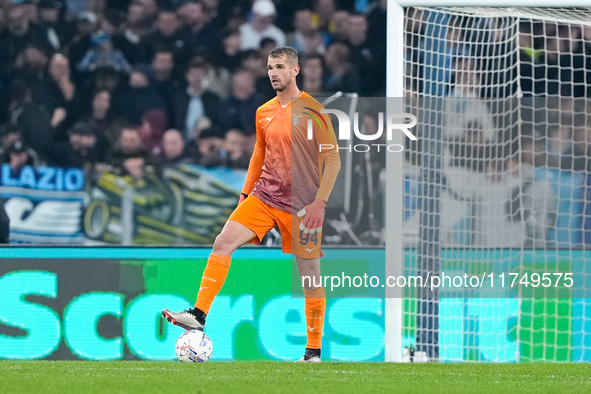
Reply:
x=287, y=170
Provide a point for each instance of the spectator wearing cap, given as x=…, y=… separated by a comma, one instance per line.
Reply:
x=201, y=36
x=86, y=24
x=80, y=151
x=102, y=54
x=261, y=26
x=140, y=97
x=19, y=156
x=195, y=102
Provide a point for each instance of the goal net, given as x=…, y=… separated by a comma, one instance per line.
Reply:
x=498, y=185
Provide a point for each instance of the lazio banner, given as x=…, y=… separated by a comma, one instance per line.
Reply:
x=181, y=205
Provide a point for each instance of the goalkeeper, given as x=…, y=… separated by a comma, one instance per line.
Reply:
x=288, y=182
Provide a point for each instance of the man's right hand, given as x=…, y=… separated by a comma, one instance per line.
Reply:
x=242, y=198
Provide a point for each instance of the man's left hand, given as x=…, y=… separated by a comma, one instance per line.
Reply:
x=313, y=217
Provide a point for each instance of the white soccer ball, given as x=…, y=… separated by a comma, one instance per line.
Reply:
x=193, y=346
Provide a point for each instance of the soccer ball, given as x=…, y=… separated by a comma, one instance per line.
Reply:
x=193, y=346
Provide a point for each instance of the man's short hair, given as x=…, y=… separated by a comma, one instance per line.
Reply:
x=288, y=52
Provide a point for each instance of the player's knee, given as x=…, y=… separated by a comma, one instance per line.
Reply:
x=224, y=244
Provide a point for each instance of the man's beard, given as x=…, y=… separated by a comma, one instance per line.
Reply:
x=282, y=87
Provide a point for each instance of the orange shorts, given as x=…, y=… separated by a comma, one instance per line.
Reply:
x=261, y=218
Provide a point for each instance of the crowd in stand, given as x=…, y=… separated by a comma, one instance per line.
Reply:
x=117, y=85
x=472, y=59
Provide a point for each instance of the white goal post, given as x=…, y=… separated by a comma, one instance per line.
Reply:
x=395, y=87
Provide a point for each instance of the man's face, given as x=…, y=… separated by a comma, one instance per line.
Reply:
x=173, y=144
x=243, y=85
x=357, y=29
x=281, y=72
x=138, y=80
x=130, y=139
x=149, y=6
x=101, y=102
x=192, y=14
x=76, y=141
x=312, y=69
x=167, y=23
x=135, y=14
x=59, y=66
x=302, y=21
x=255, y=64
x=234, y=143
x=163, y=62
x=340, y=19
x=88, y=141
x=233, y=42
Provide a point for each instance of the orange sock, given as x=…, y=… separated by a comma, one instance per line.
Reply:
x=314, y=309
x=213, y=279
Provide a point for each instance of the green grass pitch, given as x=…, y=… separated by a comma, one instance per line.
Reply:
x=280, y=377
